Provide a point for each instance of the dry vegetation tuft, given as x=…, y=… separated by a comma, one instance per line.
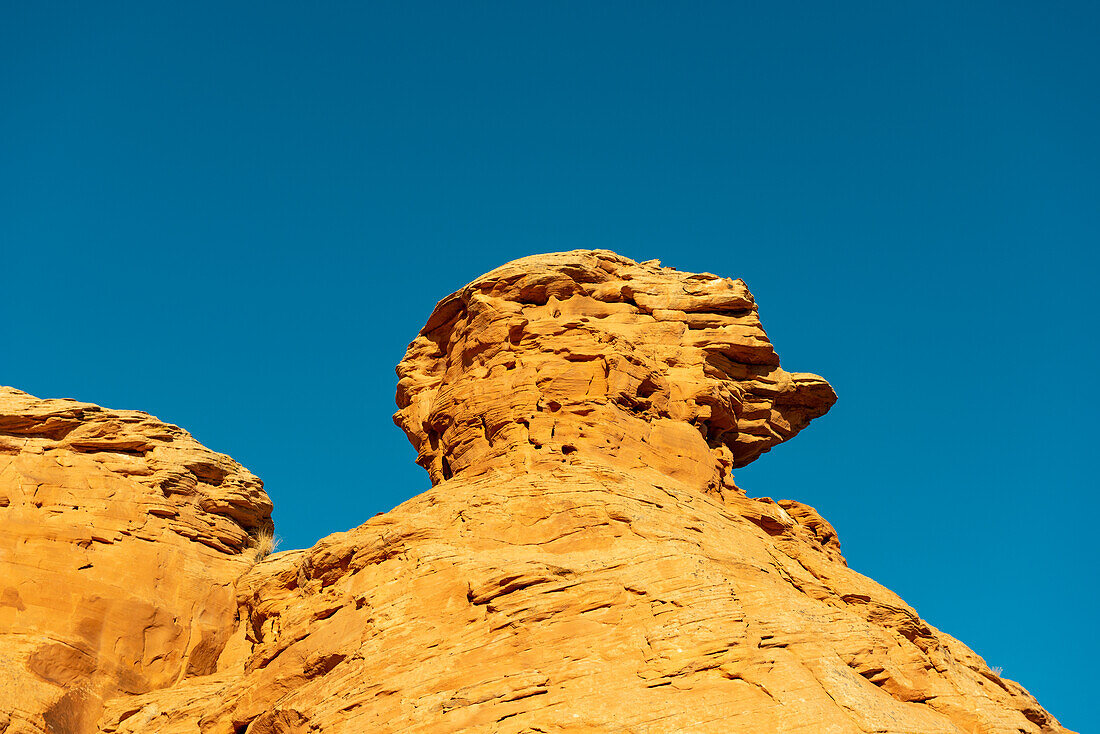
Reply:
x=266, y=544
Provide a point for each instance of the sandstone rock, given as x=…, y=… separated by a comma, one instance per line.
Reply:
x=582, y=356
x=121, y=539
x=584, y=561
x=574, y=601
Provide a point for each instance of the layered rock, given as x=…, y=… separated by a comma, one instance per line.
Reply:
x=590, y=356
x=121, y=541
x=584, y=603
x=584, y=560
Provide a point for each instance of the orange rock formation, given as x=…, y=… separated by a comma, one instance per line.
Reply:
x=584, y=561
x=121, y=542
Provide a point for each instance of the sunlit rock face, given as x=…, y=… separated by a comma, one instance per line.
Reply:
x=588, y=357
x=582, y=563
x=121, y=541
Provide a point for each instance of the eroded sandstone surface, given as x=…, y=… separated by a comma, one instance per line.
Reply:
x=583, y=562
x=121, y=542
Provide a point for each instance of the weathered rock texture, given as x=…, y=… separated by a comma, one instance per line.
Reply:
x=121, y=541
x=589, y=356
x=584, y=561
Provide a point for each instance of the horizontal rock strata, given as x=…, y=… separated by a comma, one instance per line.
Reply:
x=584, y=561
x=590, y=356
x=121, y=540
x=599, y=603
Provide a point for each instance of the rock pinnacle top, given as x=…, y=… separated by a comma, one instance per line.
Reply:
x=587, y=356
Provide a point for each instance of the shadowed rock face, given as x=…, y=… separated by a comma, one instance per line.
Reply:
x=587, y=356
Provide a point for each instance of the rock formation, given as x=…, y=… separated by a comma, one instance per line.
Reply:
x=121, y=541
x=599, y=359
x=584, y=561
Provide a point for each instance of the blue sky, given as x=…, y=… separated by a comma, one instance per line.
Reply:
x=236, y=216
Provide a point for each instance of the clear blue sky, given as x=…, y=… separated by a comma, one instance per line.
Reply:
x=237, y=216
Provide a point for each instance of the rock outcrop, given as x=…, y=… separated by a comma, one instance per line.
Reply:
x=572, y=357
x=121, y=542
x=584, y=561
